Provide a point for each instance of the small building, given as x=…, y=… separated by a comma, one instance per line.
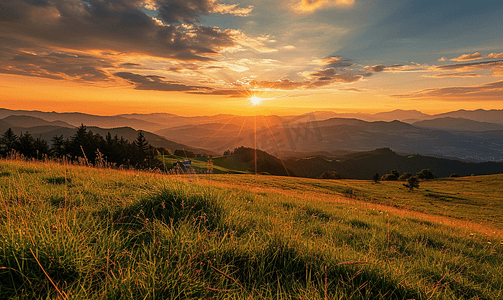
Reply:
x=185, y=164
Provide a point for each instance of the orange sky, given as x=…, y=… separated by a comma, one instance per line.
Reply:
x=302, y=56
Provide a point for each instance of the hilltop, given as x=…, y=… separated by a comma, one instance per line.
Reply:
x=84, y=233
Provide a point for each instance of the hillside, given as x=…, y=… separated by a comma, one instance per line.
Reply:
x=76, y=118
x=343, y=134
x=481, y=115
x=27, y=121
x=466, y=135
x=457, y=124
x=81, y=233
x=47, y=132
x=363, y=165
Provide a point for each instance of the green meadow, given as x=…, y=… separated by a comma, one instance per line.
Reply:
x=220, y=165
x=74, y=232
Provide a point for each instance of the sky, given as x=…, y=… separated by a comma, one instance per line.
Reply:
x=205, y=57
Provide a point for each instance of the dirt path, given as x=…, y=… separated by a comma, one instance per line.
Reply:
x=470, y=227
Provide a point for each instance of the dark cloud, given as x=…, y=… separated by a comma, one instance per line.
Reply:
x=45, y=62
x=180, y=68
x=489, y=91
x=156, y=83
x=337, y=62
x=396, y=68
x=183, y=11
x=376, y=68
x=117, y=25
x=495, y=66
x=331, y=75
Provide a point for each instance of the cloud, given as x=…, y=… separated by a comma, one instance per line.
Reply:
x=289, y=47
x=122, y=26
x=176, y=12
x=156, y=83
x=330, y=75
x=223, y=92
x=489, y=91
x=53, y=64
x=334, y=62
x=449, y=75
x=468, y=57
x=397, y=68
x=495, y=67
x=282, y=84
x=313, y=5
x=243, y=41
x=476, y=56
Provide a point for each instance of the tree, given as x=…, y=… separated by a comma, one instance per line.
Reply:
x=227, y=152
x=330, y=175
x=412, y=183
x=425, y=174
x=184, y=153
x=58, y=146
x=141, y=145
x=375, y=177
x=391, y=176
x=41, y=147
x=8, y=142
x=405, y=176
x=27, y=145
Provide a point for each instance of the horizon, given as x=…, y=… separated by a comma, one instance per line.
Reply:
x=245, y=115
x=297, y=56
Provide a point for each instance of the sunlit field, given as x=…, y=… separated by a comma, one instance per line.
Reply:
x=72, y=232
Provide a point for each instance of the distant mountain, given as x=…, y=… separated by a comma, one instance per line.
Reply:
x=76, y=119
x=343, y=134
x=130, y=134
x=364, y=165
x=457, y=124
x=266, y=163
x=400, y=115
x=318, y=132
x=481, y=115
x=28, y=121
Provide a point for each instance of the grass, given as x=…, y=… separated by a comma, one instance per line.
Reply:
x=474, y=198
x=221, y=165
x=82, y=233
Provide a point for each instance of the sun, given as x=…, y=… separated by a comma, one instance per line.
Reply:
x=255, y=100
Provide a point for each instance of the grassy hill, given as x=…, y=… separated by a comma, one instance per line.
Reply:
x=72, y=232
x=221, y=165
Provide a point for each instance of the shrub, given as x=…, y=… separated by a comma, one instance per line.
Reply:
x=393, y=175
x=405, y=176
x=453, y=175
x=330, y=175
x=375, y=177
x=412, y=183
x=425, y=174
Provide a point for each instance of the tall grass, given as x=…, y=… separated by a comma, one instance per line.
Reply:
x=69, y=232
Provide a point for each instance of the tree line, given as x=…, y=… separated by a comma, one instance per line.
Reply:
x=93, y=148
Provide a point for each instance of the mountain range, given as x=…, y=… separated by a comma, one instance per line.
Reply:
x=467, y=135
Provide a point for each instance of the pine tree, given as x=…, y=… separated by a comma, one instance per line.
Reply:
x=8, y=142
x=58, y=146
x=141, y=146
x=27, y=145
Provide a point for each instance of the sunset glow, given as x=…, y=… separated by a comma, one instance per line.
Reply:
x=255, y=100
x=330, y=55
